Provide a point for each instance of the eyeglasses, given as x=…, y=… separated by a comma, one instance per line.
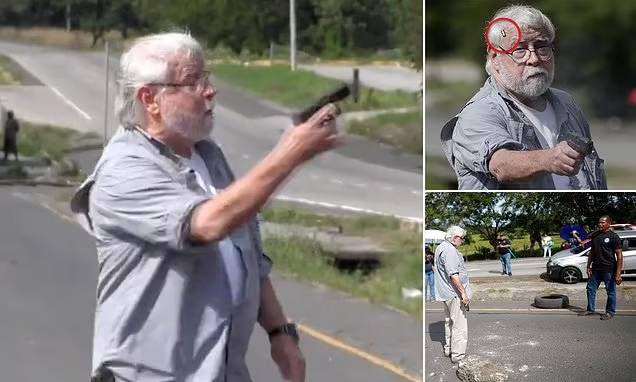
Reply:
x=544, y=52
x=197, y=87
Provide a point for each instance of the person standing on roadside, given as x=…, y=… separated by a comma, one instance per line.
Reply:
x=546, y=242
x=430, y=275
x=604, y=263
x=11, y=128
x=453, y=288
x=505, y=255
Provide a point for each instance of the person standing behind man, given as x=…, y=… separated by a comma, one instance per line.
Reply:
x=453, y=288
x=505, y=255
x=604, y=263
x=430, y=275
x=11, y=128
x=546, y=242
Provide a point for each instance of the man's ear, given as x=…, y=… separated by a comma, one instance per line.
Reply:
x=493, y=60
x=148, y=99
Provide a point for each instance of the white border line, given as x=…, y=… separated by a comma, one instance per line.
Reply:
x=70, y=103
x=344, y=207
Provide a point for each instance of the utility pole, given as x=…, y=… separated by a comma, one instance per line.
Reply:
x=292, y=34
x=107, y=59
x=68, y=15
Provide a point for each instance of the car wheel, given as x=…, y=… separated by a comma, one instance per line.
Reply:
x=571, y=275
x=552, y=301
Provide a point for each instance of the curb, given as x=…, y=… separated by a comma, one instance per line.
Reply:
x=30, y=182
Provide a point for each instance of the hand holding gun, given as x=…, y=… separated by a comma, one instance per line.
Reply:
x=336, y=95
x=582, y=145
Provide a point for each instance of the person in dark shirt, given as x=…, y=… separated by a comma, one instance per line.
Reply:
x=11, y=128
x=604, y=263
x=430, y=276
x=505, y=255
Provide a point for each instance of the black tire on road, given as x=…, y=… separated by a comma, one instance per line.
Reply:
x=571, y=275
x=552, y=301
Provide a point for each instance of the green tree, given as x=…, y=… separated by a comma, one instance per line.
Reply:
x=409, y=26
x=488, y=214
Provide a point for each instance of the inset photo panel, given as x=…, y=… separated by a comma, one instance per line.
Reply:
x=519, y=97
x=517, y=284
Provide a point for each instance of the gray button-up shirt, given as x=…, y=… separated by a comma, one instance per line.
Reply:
x=491, y=121
x=164, y=309
x=448, y=262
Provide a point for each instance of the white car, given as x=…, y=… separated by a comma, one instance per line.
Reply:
x=569, y=266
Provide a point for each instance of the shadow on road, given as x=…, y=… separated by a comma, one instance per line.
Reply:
x=436, y=331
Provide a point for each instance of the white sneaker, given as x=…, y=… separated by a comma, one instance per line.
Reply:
x=456, y=359
x=446, y=352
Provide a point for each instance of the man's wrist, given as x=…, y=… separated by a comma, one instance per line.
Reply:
x=288, y=329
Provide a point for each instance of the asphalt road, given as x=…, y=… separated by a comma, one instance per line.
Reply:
x=48, y=271
x=520, y=267
x=540, y=347
x=74, y=96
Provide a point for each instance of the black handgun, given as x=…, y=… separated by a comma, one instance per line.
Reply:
x=582, y=145
x=336, y=95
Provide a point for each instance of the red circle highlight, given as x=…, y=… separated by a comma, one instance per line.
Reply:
x=501, y=50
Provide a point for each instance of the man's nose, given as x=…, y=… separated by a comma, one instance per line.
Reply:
x=209, y=93
x=534, y=58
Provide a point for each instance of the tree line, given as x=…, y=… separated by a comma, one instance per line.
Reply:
x=534, y=213
x=325, y=28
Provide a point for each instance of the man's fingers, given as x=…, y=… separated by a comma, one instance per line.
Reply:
x=326, y=113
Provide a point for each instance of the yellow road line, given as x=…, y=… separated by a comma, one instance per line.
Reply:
x=357, y=352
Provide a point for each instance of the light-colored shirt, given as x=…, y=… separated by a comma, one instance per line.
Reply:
x=547, y=241
x=491, y=121
x=547, y=132
x=231, y=256
x=449, y=262
x=165, y=310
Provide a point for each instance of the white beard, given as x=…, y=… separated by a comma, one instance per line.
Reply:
x=531, y=87
x=188, y=126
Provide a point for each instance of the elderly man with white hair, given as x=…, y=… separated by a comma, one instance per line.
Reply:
x=514, y=133
x=453, y=288
x=182, y=273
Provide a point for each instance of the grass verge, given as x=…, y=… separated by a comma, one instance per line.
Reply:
x=39, y=140
x=402, y=130
x=304, y=259
x=7, y=76
x=59, y=37
x=479, y=248
x=11, y=73
x=351, y=225
x=300, y=88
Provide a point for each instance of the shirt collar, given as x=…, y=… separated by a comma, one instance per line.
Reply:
x=560, y=110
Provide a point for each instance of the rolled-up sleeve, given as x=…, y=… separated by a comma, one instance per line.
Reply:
x=133, y=196
x=479, y=133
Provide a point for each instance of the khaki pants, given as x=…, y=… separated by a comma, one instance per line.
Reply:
x=455, y=328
